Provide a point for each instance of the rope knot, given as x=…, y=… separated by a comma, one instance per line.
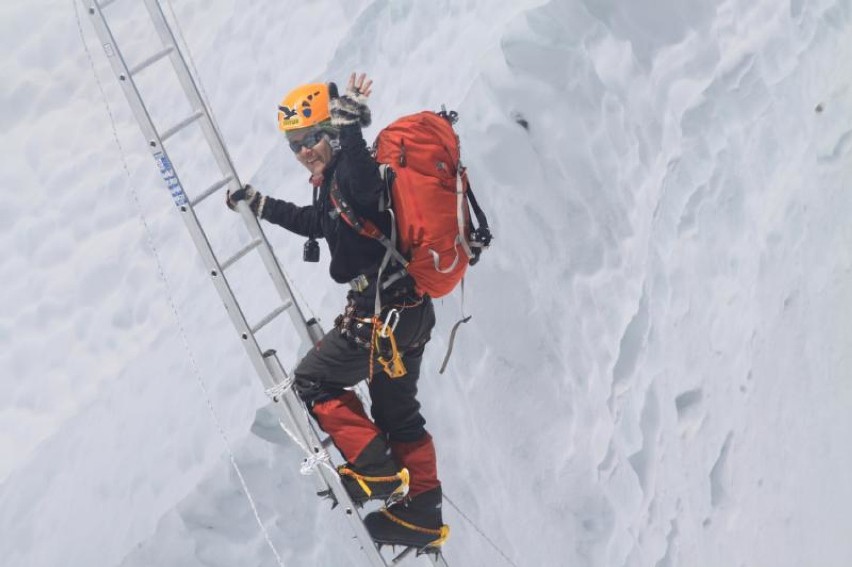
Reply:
x=311, y=462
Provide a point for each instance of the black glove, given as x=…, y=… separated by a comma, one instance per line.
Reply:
x=350, y=108
x=250, y=195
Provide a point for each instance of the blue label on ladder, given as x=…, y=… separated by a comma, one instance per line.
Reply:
x=170, y=177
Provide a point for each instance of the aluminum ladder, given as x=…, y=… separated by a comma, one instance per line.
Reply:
x=289, y=408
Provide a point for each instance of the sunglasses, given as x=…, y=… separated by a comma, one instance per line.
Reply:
x=308, y=141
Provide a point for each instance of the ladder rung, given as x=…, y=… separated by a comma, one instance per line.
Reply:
x=212, y=189
x=263, y=322
x=181, y=125
x=151, y=60
x=249, y=247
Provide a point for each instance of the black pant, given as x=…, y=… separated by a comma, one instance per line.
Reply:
x=342, y=359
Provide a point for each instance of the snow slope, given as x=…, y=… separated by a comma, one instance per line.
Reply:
x=658, y=368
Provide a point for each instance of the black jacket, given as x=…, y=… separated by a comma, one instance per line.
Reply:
x=362, y=187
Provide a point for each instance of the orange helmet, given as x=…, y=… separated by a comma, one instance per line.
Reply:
x=304, y=106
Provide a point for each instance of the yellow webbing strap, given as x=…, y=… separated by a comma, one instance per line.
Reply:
x=443, y=532
x=403, y=476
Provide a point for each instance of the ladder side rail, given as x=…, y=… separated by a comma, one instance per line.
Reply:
x=223, y=158
x=291, y=401
x=170, y=176
x=211, y=134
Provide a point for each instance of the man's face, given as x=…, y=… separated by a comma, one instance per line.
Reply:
x=311, y=148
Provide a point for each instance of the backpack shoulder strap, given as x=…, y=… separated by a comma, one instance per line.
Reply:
x=364, y=227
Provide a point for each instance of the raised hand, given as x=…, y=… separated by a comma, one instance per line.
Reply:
x=351, y=108
x=359, y=86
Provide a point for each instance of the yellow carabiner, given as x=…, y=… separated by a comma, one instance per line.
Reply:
x=393, y=367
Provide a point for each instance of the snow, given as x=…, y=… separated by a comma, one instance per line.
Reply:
x=658, y=368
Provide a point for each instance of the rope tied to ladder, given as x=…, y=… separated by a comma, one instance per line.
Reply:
x=277, y=391
x=312, y=461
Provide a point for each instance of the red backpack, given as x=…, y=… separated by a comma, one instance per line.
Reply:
x=430, y=199
x=435, y=239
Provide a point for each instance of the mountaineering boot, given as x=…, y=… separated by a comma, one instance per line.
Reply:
x=370, y=471
x=374, y=475
x=413, y=522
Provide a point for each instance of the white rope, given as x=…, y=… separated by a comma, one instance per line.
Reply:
x=181, y=331
x=313, y=461
x=277, y=391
